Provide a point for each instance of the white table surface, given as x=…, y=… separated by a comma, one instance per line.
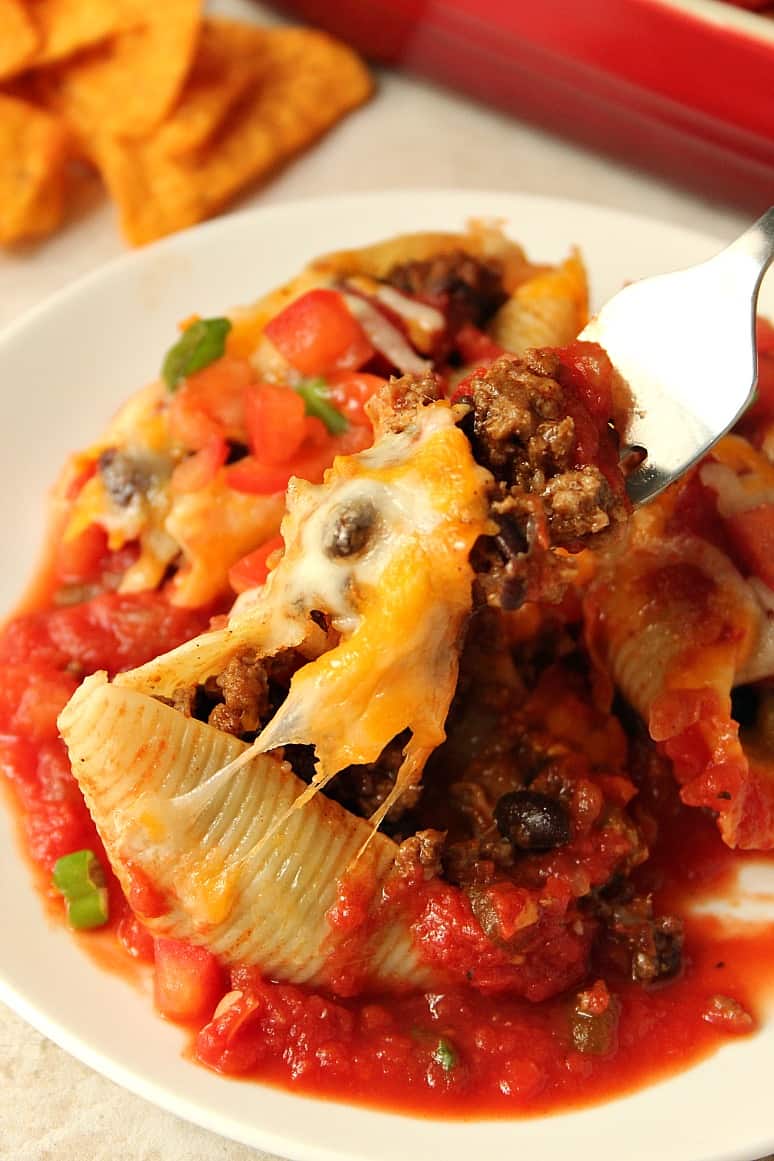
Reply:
x=52, y=1108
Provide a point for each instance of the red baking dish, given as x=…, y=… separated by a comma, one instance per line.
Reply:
x=683, y=86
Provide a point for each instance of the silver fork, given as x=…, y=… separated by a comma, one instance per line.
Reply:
x=685, y=343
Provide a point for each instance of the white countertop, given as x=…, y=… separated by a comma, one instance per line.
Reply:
x=410, y=135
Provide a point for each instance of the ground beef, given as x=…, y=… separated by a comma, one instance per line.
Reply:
x=421, y=852
x=523, y=433
x=521, y=429
x=654, y=944
x=363, y=789
x=395, y=405
x=244, y=687
x=578, y=504
x=468, y=289
x=184, y=700
x=515, y=565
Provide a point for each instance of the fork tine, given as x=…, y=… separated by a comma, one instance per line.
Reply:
x=685, y=343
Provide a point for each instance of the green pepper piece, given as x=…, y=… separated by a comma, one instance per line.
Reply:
x=445, y=1055
x=199, y=345
x=80, y=878
x=313, y=393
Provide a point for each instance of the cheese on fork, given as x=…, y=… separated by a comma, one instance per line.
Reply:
x=379, y=553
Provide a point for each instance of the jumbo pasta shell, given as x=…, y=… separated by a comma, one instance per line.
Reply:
x=223, y=874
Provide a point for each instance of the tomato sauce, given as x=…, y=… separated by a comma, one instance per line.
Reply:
x=456, y=1053
x=462, y=1053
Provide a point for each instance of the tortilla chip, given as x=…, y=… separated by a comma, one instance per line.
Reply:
x=129, y=85
x=68, y=26
x=228, y=63
x=33, y=153
x=19, y=38
x=309, y=82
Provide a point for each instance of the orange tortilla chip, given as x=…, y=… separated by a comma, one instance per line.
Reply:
x=309, y=81
x=129, y=85
x=33, y=154
x=228, y=63
x=19, y=38
x=68, y=26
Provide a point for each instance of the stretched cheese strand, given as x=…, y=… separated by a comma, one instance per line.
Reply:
x=215, y=879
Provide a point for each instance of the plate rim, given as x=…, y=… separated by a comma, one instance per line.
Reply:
x=203, y=236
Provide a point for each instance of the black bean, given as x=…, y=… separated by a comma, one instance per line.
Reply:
x=532, y=821
x=350, y=528
x=123, y=476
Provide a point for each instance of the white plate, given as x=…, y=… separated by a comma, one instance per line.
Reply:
x=63, y=369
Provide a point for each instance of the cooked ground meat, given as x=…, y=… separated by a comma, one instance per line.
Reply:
x=363, y=789
x=514, y=566
x=394, y=405
x=184, y=700
x=245, y=690
x=470, y=289
x=521, y=430
x=421, y=851
x=654, y=943
x=578, y=503
x=523, y=433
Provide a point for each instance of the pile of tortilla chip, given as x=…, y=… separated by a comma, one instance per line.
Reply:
x=178, y=113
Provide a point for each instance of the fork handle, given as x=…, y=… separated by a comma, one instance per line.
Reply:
x=757, y=243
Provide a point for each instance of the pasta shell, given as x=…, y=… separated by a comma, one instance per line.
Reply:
x=149, y=776
x=677, y=626
x=547, y=310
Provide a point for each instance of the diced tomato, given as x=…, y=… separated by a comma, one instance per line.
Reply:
x=587, y=376
x=80, y=559
x=199, y=469
x=275, y=421
x=316, y=453
x=349, y=392
x=32, y=697
x=467, y=386
x=317, y=434
x=475, y=346
x=752, y=539
x=590, y=373
x=188, y=981
x=318, y=334
x=135, y=938
x=211, y=403
x=253, y=569
x=142, y=894
x=252, y=476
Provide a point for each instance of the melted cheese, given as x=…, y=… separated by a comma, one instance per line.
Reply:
x=740, y=476
x=396, y=608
